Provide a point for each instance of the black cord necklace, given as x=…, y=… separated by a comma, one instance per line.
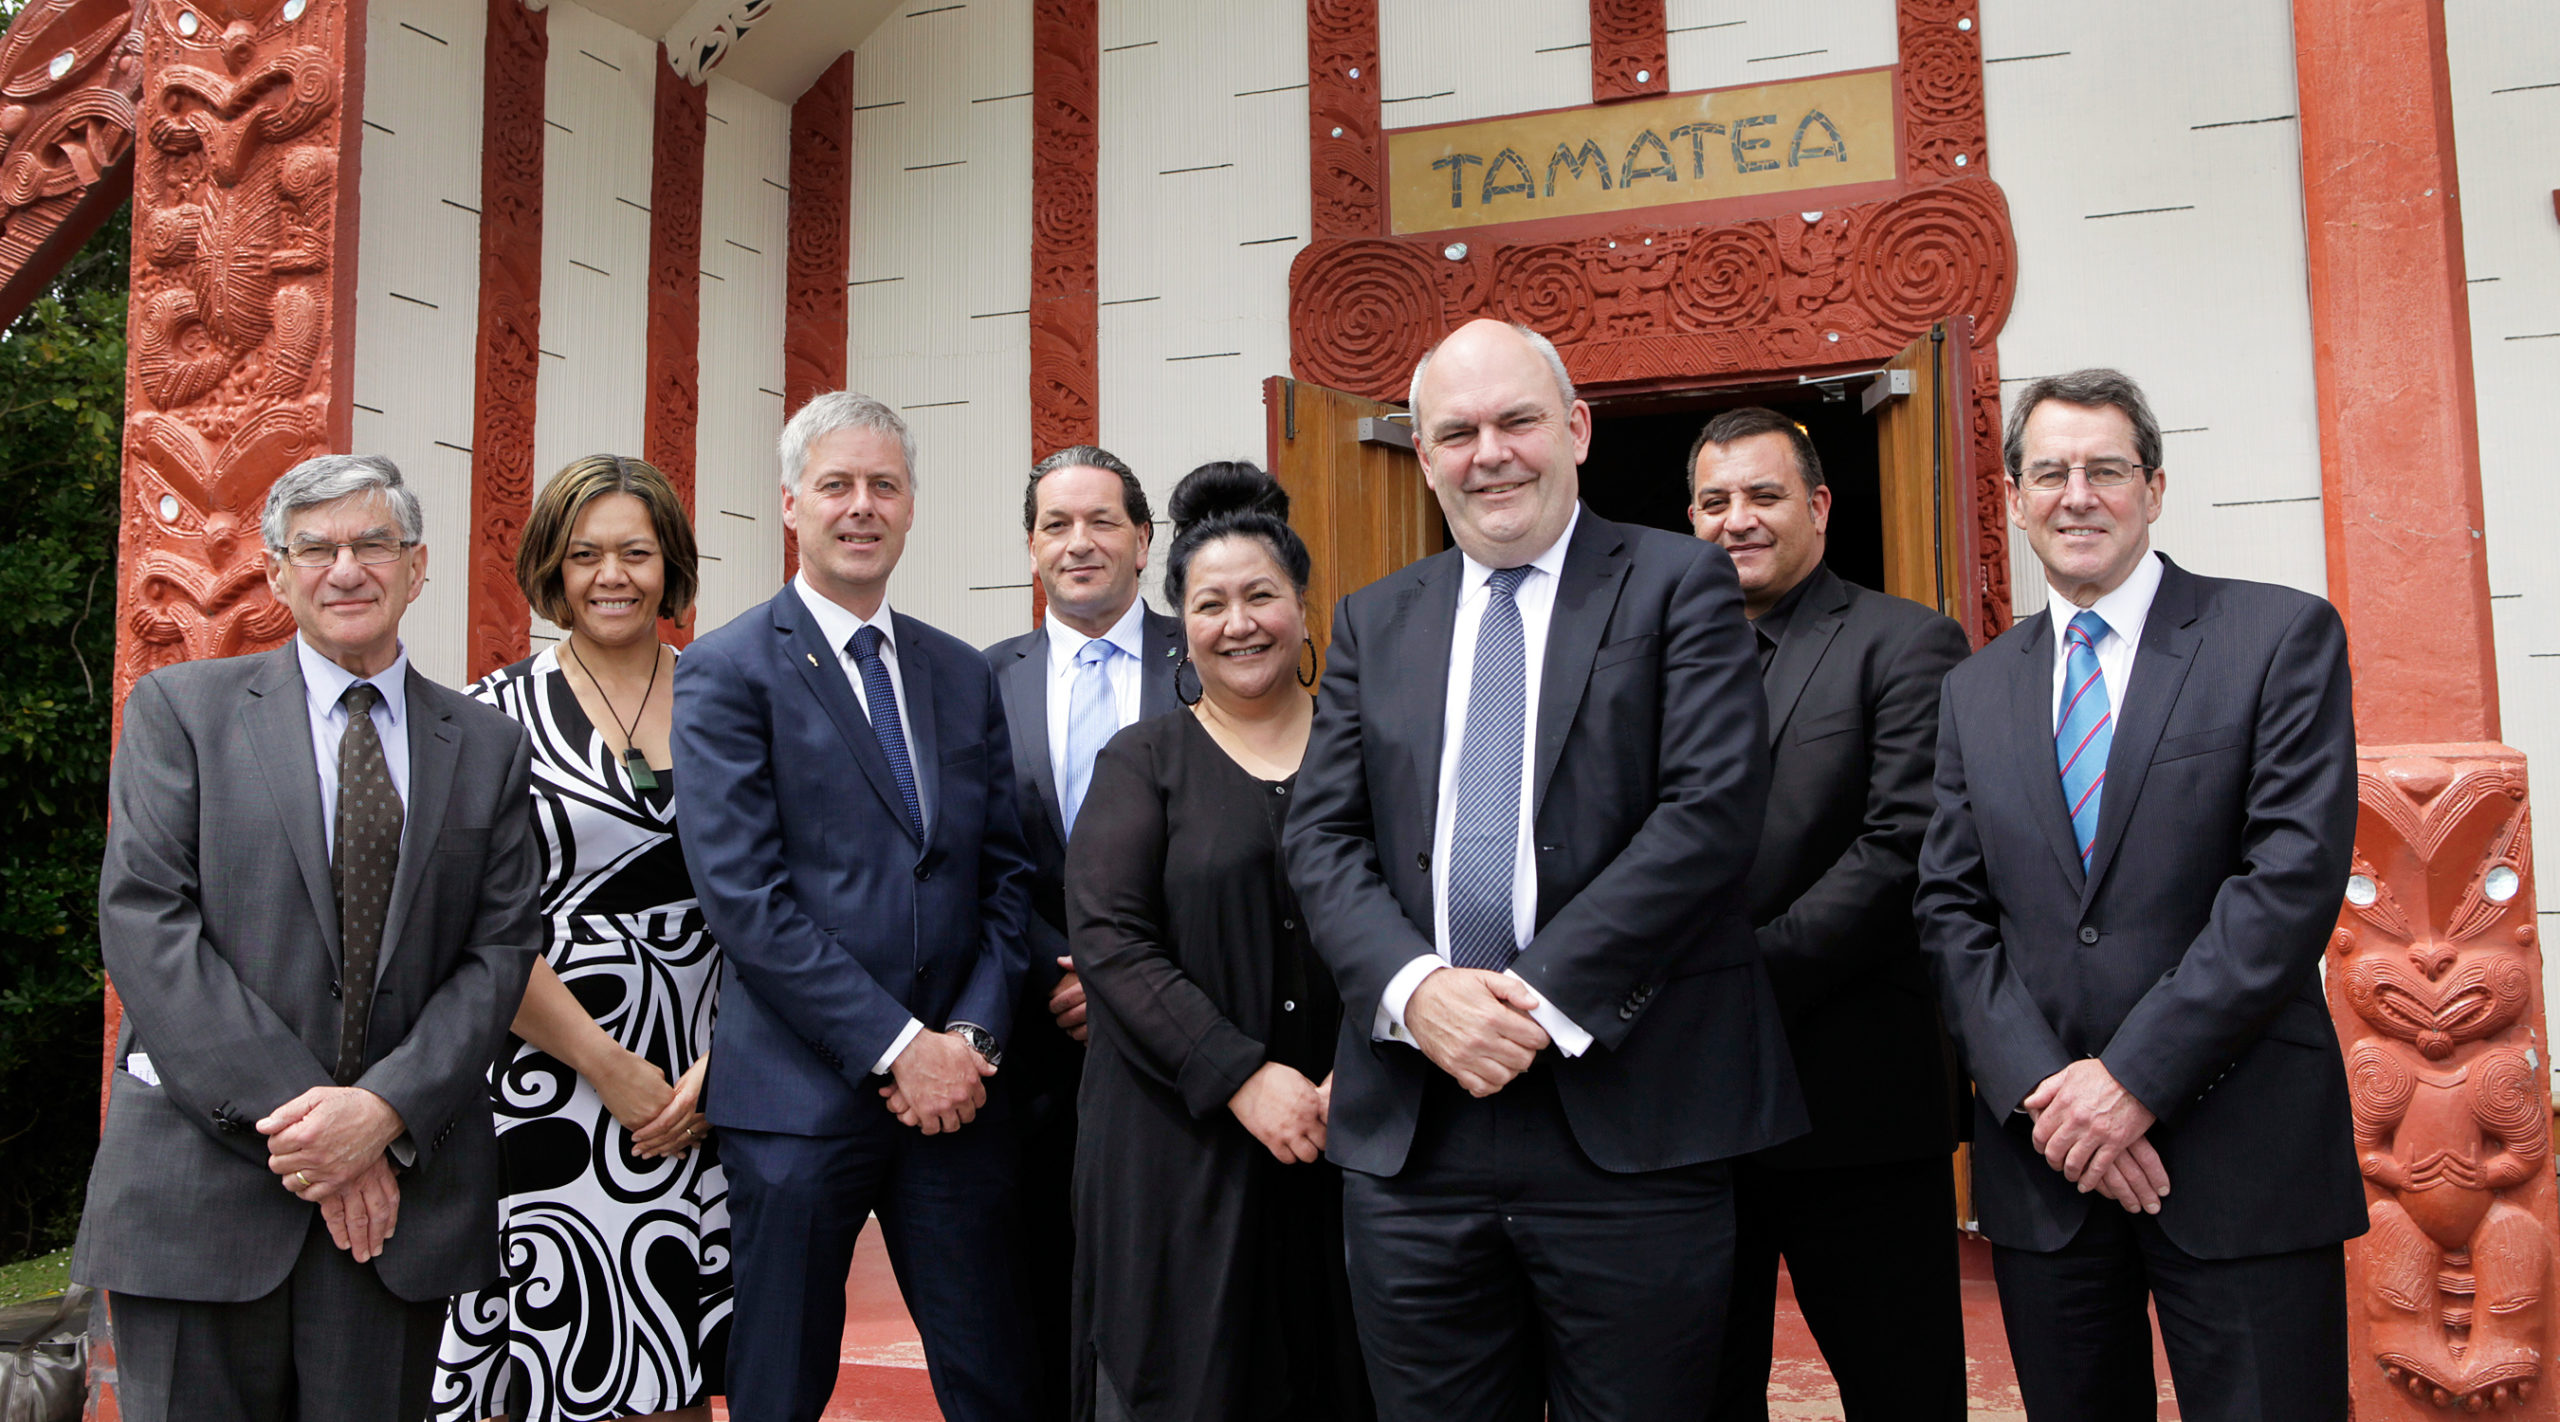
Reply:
x=642, y=777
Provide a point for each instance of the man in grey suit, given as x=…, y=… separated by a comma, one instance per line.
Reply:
x=318, y=906
x=1099, y=660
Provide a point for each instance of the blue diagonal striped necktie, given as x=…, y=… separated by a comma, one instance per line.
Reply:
x=885, y=722
x=1484, y=826
x=2084, y=731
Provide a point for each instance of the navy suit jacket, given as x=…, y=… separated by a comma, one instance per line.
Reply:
x=2187, y=956
x=835, y=923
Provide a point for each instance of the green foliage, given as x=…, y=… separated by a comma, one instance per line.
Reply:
x=61, y=438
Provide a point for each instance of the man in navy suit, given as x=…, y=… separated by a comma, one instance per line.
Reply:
x=846, y=790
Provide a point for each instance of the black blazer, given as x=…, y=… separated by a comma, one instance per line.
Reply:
x=1652, y=771
x=2187, y=957
x=1853, y=738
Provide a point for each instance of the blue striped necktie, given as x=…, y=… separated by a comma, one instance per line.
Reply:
x=2084, y=731
x=885, y=722
x=1484, y=827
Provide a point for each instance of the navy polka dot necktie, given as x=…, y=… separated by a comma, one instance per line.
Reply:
x=885, y=724
x=368, y=830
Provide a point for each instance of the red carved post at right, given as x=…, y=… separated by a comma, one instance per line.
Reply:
x=814, y=323
x=2435, y=984
x=1346, y=151
x=508, y=368
x=1630, y=50
x=675, y=288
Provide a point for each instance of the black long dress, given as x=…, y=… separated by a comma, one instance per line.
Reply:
x=1209, y=1278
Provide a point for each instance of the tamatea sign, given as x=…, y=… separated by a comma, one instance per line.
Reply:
x=1681, y=148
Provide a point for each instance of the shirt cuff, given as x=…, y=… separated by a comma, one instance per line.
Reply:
x=890, y=1057
x=1567, y=1034
x=403, y=1151
x=1389, y=1026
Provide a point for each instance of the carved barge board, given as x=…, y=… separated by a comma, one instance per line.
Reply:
x=70, y=71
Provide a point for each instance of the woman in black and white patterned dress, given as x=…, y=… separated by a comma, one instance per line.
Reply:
x=615, y=1301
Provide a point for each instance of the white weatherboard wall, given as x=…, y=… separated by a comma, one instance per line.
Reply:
x=601, y=100
x=2505, y=62
x=941, y=293
x=1443, y=61
x=1203, y=189
x=746, y=208
x=2153, y=166
x=418, y=289
x=1718, y=44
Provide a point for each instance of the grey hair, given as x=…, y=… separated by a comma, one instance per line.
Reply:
x=2092, y=387
x=331, y=477
x=833, y=411
x=1545, y=348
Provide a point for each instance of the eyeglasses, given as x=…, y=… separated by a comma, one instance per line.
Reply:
x=376, y=551
x=2101, y=474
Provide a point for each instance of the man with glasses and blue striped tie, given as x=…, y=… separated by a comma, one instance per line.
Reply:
x=2146, y=804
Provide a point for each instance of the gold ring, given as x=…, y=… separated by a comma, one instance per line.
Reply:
x=305, y=1179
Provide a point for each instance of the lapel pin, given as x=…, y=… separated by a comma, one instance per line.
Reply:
x=812, y=656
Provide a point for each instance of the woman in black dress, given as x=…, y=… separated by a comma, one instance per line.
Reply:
x=1209, y=1269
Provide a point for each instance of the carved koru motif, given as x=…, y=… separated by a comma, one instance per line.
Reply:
x=2433, y=977
x=1065, y=325
x=234, y=241
x=1627, y=41
x=69, y=73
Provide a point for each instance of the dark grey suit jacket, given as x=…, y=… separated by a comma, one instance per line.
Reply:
x=1652, y=767
x=2187, y=956
x=219, y=928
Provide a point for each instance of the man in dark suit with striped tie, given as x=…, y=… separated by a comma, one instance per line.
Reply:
x=2146, y=800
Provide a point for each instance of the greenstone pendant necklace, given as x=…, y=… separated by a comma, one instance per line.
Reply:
x=642, y=777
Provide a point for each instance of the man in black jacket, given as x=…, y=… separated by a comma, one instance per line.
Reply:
x=1863, y=1208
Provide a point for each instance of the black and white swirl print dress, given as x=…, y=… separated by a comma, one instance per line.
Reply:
x=616, y=1295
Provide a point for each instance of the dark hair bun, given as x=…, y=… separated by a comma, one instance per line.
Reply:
x=1227, y=487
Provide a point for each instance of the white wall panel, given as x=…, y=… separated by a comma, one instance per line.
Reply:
x=418, y=289
x=601, y=100
x=1440, y=61
x=746, y=207
x=1204, y=204
x=1717, y=44
x=941, y=289
x=2153, y=167
x=2505, y=61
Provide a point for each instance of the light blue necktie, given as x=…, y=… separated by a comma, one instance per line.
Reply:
x=1484, y=826
x=2085, y=730
x=1093, y=714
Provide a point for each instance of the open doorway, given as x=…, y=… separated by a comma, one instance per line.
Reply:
x=1637, y=471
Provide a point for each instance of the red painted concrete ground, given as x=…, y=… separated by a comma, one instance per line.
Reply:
x=883, y=1378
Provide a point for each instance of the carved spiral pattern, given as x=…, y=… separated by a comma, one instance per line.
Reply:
x=517, y=49
x=1372, y=309
x=2379, y=1087
x=821, y=240
x=1627, y=39
x=1065, y=327
x=1343, y=168
x=1929, y=253
x=1727, y=278
x=1545, y=289
x=2505, y=1098
x=675, y=280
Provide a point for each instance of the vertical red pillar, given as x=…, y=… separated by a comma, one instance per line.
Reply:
x=1066, y=163
x=1630, y=50
x=814, y=331
x=508, y=367
x=675, y=285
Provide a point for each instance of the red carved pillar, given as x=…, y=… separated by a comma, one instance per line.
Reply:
x=508, y=367
x=675, y=285
x=1630, y=50
x=814, y=329
x=1066, y=161
x=2435, y=973
x=1347, y=151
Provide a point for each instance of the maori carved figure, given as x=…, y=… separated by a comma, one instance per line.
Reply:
x=1630, y=50
x=2434, y=981
x=236, y=257
x=1066, y=59
x=69, y=73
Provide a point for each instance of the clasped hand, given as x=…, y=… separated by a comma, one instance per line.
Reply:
x=2098, y=1135
x=1475, y=1026
x=1285, y=1111
x=938, y=1083
x=327, y=1145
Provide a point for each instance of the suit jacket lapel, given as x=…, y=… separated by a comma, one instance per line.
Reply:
x=2031, y=739
x=1026, y=705
x=924, y=733
x=2160, y=667
x=435, y=748
x=277, y=720
x=1163, y=641
x=823, y=673
x=1414, y=662
x=1594, y=570
x=1817, y=620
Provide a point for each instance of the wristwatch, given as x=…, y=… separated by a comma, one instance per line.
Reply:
x=979, y=1039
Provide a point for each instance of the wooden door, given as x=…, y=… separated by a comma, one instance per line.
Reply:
x=1355, y=490
x=1925, y=464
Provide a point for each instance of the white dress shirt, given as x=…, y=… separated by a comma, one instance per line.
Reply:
x=1536, y=599
x=2124, y=611
x=323, y=683
x=1129, y=634
x=837, y=624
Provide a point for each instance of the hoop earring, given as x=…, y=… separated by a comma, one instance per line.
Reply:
x=1197, y=688
x=1307, y=673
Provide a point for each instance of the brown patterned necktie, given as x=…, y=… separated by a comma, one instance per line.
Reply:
x=369, y=817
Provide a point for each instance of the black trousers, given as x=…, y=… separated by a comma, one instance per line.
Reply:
x=1871, y=1250
x=796, y=1207
x=2261, y=1339
x=1046, y=1066
x=330, y=1344
x=1502, y=1276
